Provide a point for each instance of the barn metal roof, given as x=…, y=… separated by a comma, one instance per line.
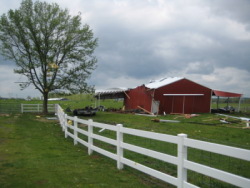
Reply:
x=154, y=84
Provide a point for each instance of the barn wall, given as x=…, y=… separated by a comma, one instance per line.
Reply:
x=181, y=104
x=139, y=96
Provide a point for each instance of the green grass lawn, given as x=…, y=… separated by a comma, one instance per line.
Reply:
x=205, y=127
x=34, y=153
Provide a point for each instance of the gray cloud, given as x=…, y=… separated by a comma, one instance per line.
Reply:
x=207, y=41
x=236, y=10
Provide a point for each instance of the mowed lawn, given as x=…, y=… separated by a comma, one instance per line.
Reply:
x=34, y=153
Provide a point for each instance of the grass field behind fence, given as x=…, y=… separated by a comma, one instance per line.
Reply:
x=216, y=133
x=83, y=100
x=196, y=128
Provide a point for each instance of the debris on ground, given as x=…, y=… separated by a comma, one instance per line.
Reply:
x=87, y=111
x=4, y=115
x=146, y=111
x=165, y=120
x=176, y=117
x=101, y=130
x=149, y=115
x=244, y=119
x=52, y=118
x=224, y=121
x=226, y=109
x=187, y=116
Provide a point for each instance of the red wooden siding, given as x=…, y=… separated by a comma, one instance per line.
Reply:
x=183, y=104
x=139, y=96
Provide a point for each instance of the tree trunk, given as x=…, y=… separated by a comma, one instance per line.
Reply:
x=45, y=102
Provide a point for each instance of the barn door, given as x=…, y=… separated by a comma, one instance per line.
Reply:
x=155, y=106
x=177, y=104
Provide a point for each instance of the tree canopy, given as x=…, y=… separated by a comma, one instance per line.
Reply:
x=53, y=49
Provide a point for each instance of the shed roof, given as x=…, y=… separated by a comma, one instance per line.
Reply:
x=226, y=94
x=111, y=93
x=111, y=90
x=155, y=84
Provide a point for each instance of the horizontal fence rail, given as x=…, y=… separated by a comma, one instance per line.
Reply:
x=22, y=108
x=10, y=107
x=37, y=108
x=71, y=127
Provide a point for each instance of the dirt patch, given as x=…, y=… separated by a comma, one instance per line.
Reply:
x=17, y=115
x=45, y=120
x=4, y=115
x=82, y=125
x=41, y=182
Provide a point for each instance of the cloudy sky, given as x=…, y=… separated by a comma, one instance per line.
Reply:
x=207, y=41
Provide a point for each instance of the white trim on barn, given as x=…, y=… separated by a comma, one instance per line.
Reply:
x=183, y=94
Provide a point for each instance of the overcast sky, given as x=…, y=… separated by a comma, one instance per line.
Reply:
x=207, y=42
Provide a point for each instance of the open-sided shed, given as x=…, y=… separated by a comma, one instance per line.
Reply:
x=111, y=93
x=227, y=95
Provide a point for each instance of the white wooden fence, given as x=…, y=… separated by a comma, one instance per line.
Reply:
x=181, y=161
x=37, y=108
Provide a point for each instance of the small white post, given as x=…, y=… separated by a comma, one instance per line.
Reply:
x=65, y=126
x=90, y=139
x=75, y=130
x=56, y=109
x=61, y=116
x=119, y=138
x=38, y=107
x=182, y=155
x=63, y=121
x=21, y=108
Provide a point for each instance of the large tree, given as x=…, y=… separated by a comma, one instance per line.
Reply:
x=51, y=48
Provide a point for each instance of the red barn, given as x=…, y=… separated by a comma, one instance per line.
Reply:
x=170, y=95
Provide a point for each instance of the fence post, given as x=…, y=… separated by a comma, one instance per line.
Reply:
x=56, y=108
x=119, y=138
x=65, y=126
x=62, y=118
x=182, y=155
x=90, y=139
x=21, y=108
x=75, y=130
